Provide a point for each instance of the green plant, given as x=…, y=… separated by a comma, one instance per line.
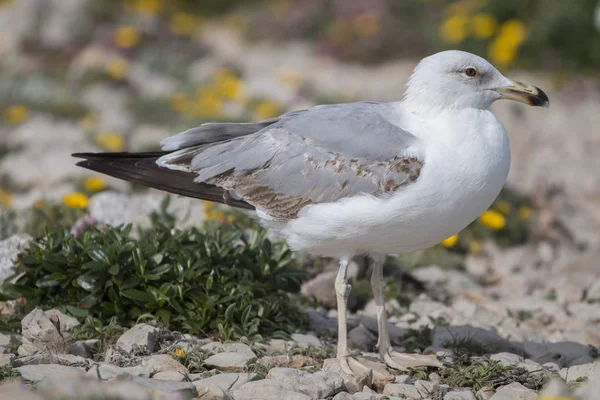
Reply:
x=220, y=280
x=51, y=217
x=194, y=360
x=7, y=373
x=477, y=374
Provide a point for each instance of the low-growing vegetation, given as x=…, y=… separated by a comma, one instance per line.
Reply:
x=222, y=280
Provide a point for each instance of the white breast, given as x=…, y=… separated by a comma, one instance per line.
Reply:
x=467, y=158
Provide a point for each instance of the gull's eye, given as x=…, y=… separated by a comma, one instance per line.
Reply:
x=471, y=72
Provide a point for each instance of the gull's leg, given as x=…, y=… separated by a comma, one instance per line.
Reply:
x=342, y=289
x=392, y=358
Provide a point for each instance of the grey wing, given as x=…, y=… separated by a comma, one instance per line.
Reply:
x=317, y=156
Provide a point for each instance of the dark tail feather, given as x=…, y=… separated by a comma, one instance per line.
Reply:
x=141, y=168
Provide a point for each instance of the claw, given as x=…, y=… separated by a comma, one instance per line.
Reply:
x=403, y=362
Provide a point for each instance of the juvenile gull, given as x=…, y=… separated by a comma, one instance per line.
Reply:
x=343, y=179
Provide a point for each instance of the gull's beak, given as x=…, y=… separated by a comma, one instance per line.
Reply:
x=524, y=93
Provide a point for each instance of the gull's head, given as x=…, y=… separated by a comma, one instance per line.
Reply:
x=457, y=79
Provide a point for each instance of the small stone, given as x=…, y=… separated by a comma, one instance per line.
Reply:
x=217, y=347
x=16, y=390
x=80, y=348
x=506, y=359
x=322, y=288
x=352, y=383
x=305, y=340
x=9, y=250
x=45, y=331
x=462, y=395
x=266, y=389
x=229, y=360
x=550, y=366
x=530, y=366
x=555, y=388
x=485, y=393
x=424, y=387
x=402, y=379
x=343, y=396
x=361, y=338
x=402, y=389
x=107, y=371
x=36, y=373
x=318, y=385
x=582, y=371
x=162, y=362
x=6, y=359
x=174, y=376
x=141, y=336
x=514, y=391
x=318, y=322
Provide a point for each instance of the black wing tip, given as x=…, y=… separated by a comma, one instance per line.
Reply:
x=103, y=156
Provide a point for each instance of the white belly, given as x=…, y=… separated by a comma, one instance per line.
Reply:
x=464, y=170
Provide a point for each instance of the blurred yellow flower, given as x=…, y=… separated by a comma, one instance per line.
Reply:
x=503, y=206
x=339, y=31
x=16, y=114
x=229, y=86
x=450, y=242
x=180, y=102
x=525, y=213
x=474, y=247
x=514, y=32
x=483, y=25
x=454, y=29
x=127, y=37
x=117, y=68
x=501, y=52
x=110, y=141
x=94, y=184
x=183, y=24
x=5, y=198
x=39, y=204
x=208, y=103
x=75, y=200
x=366, y=24
x=180, y=353
x=290, y=79
x=492, y=219
x=150, y=7
x=265, y=110
x=88, y=122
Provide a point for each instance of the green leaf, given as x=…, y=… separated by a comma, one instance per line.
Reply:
x=77, y=312
x=138, y=295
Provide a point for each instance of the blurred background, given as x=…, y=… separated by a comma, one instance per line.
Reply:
x=120, y=75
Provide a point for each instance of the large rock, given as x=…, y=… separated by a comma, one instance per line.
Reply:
x=318, y=385
x=162, y=362
x=155, y=385
x=45, y=331
x=141, y=337
x=514, y=391
x=223, y=383
x=36, y=373
x=229, y=360
x=487, y=339
x=11, y=390
x=402, y=390
x=9, y=250
x=266, y=389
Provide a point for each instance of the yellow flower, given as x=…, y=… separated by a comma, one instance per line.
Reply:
x=88, y=122
x=450, y=242
x=525, y=213
x=110, y=141
x=180, y=102
x=492, y=219
x=5, y=198
x=483, y=25
x=208, y=104
x=290, y=78
x=94, y=184
x=117, y=68
x=503, y=206
x=339, y=31
x=475, y=247
x=265, y=110
x=75, y=200
x=513, y=32
x=127, y=37
x=502, y=52
x=16, y=114
x=180, y=353
x=228, y=85
x=454, y=29
x=366, y=24
x=150, y=7
x=183, y=24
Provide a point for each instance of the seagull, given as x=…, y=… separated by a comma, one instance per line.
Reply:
x=355, y=178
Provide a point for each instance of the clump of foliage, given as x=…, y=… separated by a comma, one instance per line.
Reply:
x=8, y=373
x=221, y=279
x=51, y=217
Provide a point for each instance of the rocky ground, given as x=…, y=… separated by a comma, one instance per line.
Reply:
x=515, y=323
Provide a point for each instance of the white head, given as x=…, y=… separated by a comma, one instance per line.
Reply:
x=457, y=79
